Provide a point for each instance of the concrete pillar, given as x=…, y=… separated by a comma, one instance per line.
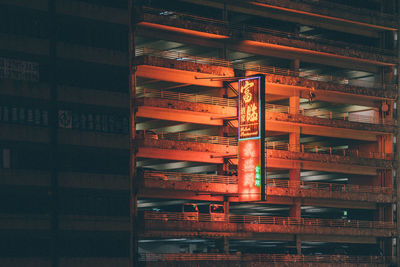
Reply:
x=295, y=210
x=294, y=136
x=294, y=146
x=226, y=208
x=294, y=141
x=294, y=177
x=295, y=64
x=298, y=244
x=294, y=104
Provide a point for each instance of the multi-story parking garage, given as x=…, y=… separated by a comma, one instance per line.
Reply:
x=331, y=150
x=330, y=132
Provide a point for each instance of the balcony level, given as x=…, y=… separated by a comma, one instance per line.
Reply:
x=204, y=186
x=168, y=224
x=326, y=15
x=210, y=110
x=213, y=149
x=267, y=41
x=182, y=68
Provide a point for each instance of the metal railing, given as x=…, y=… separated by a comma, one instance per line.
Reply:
x=327, y=150
x=330, y=187
x=219, y=101
x=273, y=145
x=326, y=114
x=189, y=177
x=272, y=220
x=143, y=51
x=174, y=55
x=219, y=140
x=348, y=116
x=257, y=29
x=194, y=98
x=262, y=258
x=272, y=183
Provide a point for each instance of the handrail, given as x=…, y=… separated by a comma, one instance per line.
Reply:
x=257, y=29
x=349, y=116
x=263, y=257
x=219, y=140
x=189, y=177
x=303, y=148
x=271, y=183
x=212, y=100
x=331, y=187
x=194, y=98
x=325, y=114
x=272, y=220
x=273, y=145
x=174, y=55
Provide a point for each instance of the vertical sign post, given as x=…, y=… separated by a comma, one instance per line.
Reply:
x=251, y=147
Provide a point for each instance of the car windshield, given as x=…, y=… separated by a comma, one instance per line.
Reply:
x=217, y=209
x=190, y=208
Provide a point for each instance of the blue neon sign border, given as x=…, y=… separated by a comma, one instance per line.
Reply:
x=259, y=109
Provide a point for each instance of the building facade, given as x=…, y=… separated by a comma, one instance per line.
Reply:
x=64, y=127
x=71, y=177
x=331, y=77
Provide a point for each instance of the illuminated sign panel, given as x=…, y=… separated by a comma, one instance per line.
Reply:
x=251, y=165
x=249, y=108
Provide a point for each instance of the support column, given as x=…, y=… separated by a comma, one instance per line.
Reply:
x=294, y=137
x=295, y=210
x=294, y=145
x=223, y=243
x=294, y=141
x=296, y=65
x=226, y=208
x=298, y=244
x=294, y=104
x=133, y=177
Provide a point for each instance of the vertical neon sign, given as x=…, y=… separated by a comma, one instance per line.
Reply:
x=251, y=165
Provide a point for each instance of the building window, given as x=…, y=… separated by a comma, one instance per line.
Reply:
x=6, y=158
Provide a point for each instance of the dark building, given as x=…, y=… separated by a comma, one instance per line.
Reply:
x=331, y=81
x=64, y=127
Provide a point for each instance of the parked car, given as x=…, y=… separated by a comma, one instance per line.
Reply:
x=190, y=212
x=217, y=212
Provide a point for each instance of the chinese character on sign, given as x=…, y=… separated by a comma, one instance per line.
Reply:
x=252, y=113
x=249, y=101
x=247, y=97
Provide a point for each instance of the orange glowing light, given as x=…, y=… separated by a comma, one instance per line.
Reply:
x=251, y=133
x=249, y=106
x=249, y=161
